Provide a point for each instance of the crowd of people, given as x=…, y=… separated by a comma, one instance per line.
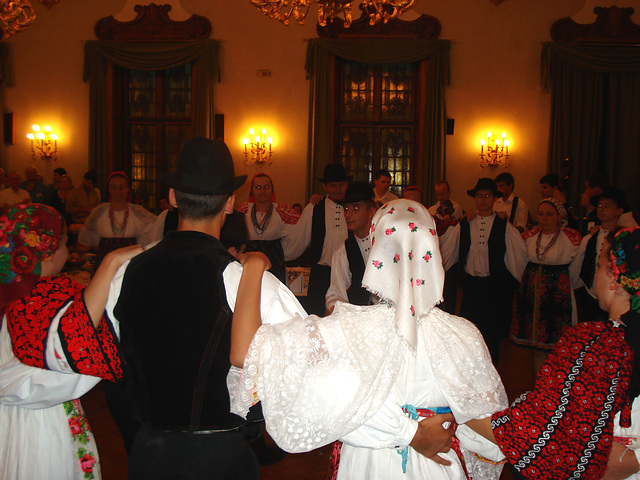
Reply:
x=198, y=338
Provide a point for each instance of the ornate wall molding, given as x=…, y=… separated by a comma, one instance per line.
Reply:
x=152, y=24
x=423, y=27
x=49, y=3
x=613, y=26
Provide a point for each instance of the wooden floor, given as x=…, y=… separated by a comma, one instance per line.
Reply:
x=515, y=367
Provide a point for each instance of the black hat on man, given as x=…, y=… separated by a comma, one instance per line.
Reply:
x=205, y=167
x=612, y=193
x=358, y=192
x=335, y=173
x=485, y=184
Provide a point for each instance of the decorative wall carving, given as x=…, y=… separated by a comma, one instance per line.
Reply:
x=424, y=27
x=15, y=16
x=152, y=24
x=613, y=26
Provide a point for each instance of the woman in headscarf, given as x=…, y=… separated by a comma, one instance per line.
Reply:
x=44, y=432
x=546, y=304
x=366, y=375
x=565, y=426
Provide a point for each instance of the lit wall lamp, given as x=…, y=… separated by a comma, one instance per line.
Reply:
x=494, y=153
x=259, y=147
x=44, y=141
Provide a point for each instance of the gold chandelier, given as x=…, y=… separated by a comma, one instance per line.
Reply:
x=376, y=10
x=15, y=16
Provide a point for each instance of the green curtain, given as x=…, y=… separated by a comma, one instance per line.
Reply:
x=595, y=113
x=378, y=52
x=147, y=56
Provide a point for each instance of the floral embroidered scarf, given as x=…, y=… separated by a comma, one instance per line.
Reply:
x=404, y=266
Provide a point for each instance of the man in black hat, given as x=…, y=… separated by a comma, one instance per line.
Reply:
x=609, y=205
x=348, y=262
x=322, y=229
x=182, y=328
x=491, y=254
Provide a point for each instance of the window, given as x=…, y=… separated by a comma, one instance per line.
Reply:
x=153, y=117
x=377, y=120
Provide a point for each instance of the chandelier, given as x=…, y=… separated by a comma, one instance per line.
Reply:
x=496, y=155
x=376, y=10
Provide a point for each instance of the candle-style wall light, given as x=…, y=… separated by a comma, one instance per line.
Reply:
x=259, y=147
x=494, y=153
x=43, y=141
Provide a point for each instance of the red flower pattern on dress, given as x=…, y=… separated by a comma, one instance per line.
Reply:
x=411, y=209
x=413, y=227
x=411, y=255
x=427, y=256
x=413, y=311
x=419, y=282
x=390, y=212
x=396, y=258
x=377, y=264
x=389, y=231
x=23, y=260
x=433, y=232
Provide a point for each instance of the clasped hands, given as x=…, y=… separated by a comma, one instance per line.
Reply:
x=432, y=437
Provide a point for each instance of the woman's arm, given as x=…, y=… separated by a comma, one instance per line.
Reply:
x=246, y=316
x=95, y=295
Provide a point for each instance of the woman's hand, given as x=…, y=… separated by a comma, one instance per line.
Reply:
x=122, y=255
x=254, y=260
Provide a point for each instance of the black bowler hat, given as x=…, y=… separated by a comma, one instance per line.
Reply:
x=611, y=193
x=205, y=167
x=485, y=184
x=335, y=173
x=358, y=192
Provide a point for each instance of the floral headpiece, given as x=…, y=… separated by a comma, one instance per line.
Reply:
x=29, y=235
x=559, y=208
x=625, y=263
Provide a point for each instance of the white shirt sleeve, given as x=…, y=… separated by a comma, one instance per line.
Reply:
x=450, y=246
x=515, y=257
x=388, y=428
x=522, y=214
x=277, y=303
x=298, y=237
x=340, y=279
x=34, y=388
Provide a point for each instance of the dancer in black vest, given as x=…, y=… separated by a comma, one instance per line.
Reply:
x=491, y=254
x=182, y=327
x=610, y=205
x=348, y=262
x=322, y=229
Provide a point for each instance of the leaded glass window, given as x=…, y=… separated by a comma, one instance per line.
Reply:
x=377, y=121
x=153, y=123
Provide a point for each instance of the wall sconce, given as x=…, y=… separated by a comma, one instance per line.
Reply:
x=260, y=149
x=496, y=155
x=44, y=141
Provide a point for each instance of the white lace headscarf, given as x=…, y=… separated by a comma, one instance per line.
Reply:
x=404, y=266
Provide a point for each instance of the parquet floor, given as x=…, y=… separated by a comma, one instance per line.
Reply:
x=515, y=367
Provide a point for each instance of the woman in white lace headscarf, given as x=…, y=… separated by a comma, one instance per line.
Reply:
x=354, y=374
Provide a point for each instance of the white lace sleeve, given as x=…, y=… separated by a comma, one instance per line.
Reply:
x=320, y=378
x=462, y=366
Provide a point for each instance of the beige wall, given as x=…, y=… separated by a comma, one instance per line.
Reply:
x=495, y=84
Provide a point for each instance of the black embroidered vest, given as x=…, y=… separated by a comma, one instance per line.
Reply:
x=588, y=269
x=318, y=232
x=497, y=247
x=176, y=333
x=356, y=293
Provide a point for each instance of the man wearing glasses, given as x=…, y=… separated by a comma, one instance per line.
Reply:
x=491, y=254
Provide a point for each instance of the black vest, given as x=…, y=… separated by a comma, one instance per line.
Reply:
x=318, y=232
x=514, y=208
x=588, y=269
x=176, y=333
x=497, y=246
x=356, y=293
